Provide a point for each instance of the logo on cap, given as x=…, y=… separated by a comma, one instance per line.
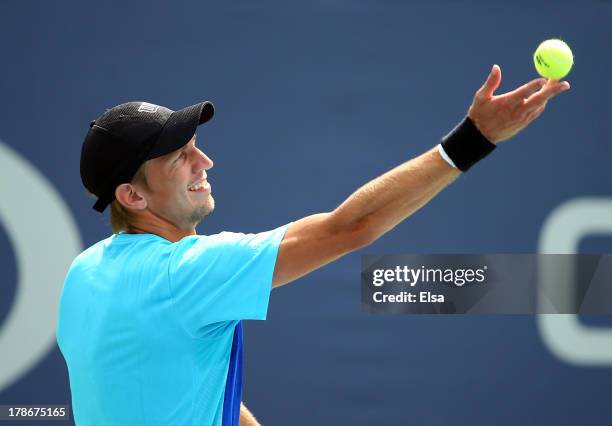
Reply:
x=146, y=107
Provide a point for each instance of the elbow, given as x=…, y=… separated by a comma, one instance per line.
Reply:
x=358, y=234
x=364, y=234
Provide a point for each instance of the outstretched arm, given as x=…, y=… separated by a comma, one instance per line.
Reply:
x=384, y=202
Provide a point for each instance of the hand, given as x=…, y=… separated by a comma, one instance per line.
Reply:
x=500, y=117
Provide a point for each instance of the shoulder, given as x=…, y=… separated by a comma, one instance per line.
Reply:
x=224, y=244
x=194, y=246
x=92, y=253
x=121, y=246
x=229, y=240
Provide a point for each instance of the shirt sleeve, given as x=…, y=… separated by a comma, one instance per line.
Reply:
x=222, y=277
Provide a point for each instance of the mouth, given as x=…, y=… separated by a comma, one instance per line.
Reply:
x=201, y=185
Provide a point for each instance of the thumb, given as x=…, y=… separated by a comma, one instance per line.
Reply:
x=490, y=86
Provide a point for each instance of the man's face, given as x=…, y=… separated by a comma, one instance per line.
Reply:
x=178, y=190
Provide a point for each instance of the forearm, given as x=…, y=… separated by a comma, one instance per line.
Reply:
x=384, y=202
x=246, y=417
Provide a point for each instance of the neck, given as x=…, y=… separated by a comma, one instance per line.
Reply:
x=153, y=224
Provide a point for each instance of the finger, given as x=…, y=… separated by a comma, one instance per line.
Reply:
x=535, y=113
x=490, y=86
x=550, y=90
x=528, y=89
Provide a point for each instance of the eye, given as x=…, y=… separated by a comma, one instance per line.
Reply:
x=181, y=156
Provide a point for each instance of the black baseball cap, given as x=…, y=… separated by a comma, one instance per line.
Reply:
x=125, y=136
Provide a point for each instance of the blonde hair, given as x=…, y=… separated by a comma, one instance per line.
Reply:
x=120, y=217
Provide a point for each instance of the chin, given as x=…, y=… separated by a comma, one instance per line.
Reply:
x=201, y=212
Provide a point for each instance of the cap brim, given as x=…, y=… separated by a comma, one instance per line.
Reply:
x=180, y=127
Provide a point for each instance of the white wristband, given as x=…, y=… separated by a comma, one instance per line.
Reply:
x=444, y=155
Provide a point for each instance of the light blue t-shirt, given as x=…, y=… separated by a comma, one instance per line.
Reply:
x=147, y=326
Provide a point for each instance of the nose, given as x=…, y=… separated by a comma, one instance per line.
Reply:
x=203, y=161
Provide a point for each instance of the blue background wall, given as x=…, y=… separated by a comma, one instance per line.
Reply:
x=314, y=99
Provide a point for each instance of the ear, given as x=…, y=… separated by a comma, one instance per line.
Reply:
x=129, y=198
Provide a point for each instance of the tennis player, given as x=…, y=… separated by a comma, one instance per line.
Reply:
x=150, y=318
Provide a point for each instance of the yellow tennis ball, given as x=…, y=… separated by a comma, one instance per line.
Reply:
x=553, y=59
